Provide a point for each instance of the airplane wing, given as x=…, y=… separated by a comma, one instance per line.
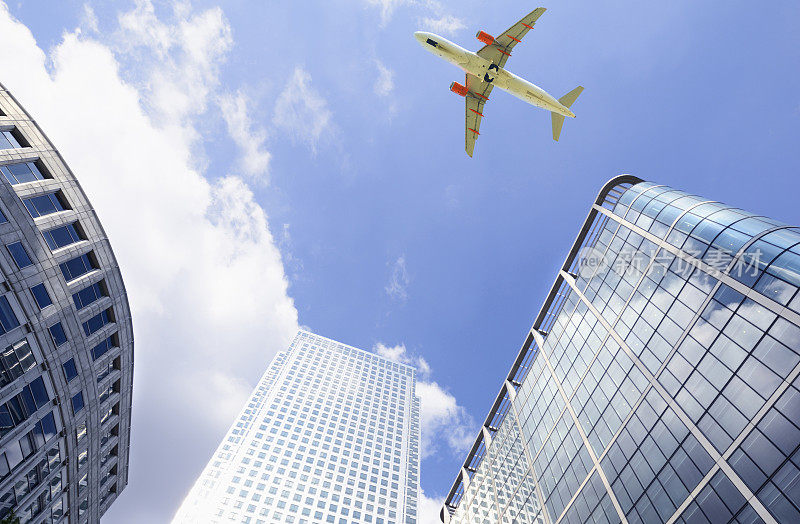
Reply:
x=500, y=50
x=476, y=98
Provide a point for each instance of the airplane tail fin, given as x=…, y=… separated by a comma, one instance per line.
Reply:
x=567, y=101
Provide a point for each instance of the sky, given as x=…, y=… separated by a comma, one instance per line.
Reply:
x=264, y=166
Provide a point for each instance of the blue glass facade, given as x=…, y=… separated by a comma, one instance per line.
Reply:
x=660, y=381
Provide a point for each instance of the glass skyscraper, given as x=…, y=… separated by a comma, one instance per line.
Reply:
x=66, y=340
x=329, y=434
x=659, y=382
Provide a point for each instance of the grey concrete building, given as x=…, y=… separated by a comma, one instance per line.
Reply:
x=66, y=341
x=660, y=381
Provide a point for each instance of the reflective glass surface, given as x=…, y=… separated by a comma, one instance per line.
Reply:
x=676, y=351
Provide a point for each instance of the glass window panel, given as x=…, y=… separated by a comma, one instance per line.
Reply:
x=759, y=377
x=8, y=140
x=21, y=173
x=41, y=296
x=777, y=504
x=70, y=369
x=783, y=238
x=20, y=256
x=752, y=226
x=775, y=355
x=787, y=333
x=61, y=236
x=780, y=431
x=775, y=288
x=40, y=395
x=43, y=205
x=77, y=402
x=787, y=267
x=763, y=453
x=58, y=334
x=76, y=267
x=8, y=319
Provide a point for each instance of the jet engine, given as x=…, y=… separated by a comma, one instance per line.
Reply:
x=458, y=89
x=486, y=38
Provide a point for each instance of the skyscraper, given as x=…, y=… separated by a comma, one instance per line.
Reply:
x=329, y=434
x=66, y=341
x=659, y=381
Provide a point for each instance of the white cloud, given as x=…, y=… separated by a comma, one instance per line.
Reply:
x=399, y=280
x=445, y=24
x=398, y=353
x=386, y=7
x=89, y=19
x=249, y=138
x=442, y=420
x=435, y=21
x=205, y=280
x=429, y=508
x=303, y=112
x=384, y=84
x=175, y=63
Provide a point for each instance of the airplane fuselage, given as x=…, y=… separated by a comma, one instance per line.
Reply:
x=475, y=65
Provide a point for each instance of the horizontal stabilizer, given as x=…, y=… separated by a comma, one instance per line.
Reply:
x=558, y=121
x=569, y=99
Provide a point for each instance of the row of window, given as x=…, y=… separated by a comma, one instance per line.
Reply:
x=8, y=319
x=71, y=269
x=23, y=172
x=21, y=406
x=16, y=452
x=35, y=476
x=11, y=139
x=15, y=360
x=300, y=396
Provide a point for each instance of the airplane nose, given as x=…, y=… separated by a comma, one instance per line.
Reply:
x=420, y=36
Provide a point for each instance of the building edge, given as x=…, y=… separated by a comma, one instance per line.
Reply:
x=606, y=197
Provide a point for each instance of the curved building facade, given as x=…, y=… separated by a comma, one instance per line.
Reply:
x=660, y=381
x=66, y=339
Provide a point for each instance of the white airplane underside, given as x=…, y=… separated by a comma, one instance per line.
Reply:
x=485, y=70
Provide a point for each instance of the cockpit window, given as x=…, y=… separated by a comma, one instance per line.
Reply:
x=432, y=42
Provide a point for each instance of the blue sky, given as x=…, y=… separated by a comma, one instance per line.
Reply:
x=310, y=155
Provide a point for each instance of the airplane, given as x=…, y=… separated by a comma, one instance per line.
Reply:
x=485, y=70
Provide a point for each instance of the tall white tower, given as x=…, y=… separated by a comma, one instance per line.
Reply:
x=329, y=434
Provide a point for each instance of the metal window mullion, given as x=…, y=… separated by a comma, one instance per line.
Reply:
x=575, y=420
x=561, y=413
x=490, y=483
x=701, y=438
x=707, y=478
x=729, y=281
x=751, y=424
x=620, y=223
x=660, y=369
x=531, y=472
x=638, y=196
x=684, y=334
x=580, y=381
x=575, y=495
x=539, y=341
x=752, y=241
x=607, y=249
